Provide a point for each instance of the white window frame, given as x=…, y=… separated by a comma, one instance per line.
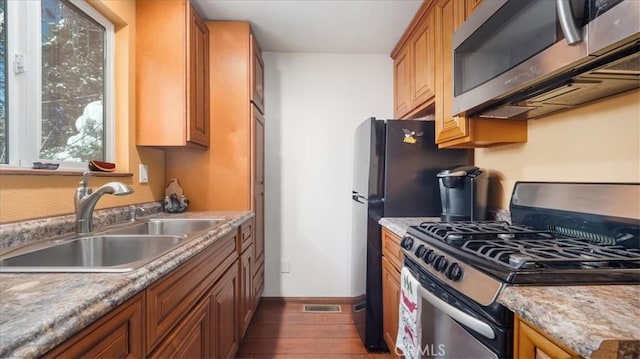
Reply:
x=25, y=119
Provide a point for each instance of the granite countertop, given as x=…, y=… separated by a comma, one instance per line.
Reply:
x=40, y=310
x=595, y=321
x=399, y=225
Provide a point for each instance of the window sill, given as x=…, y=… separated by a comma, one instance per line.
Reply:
x=32, y=172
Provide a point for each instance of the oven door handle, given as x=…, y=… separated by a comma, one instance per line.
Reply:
x=458, y=315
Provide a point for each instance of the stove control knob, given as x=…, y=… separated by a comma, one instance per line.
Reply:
x=430, y=256
x=440, y=264
x=420, y=251
x=455, y=272
x=406, y=243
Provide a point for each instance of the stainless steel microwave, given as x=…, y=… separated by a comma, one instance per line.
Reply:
x=518, y=59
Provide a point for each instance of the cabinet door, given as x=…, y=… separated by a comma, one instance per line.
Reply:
x=117, y=335
x=390, y=303
x=422, y=62
x=257, y=75
x=246, y=289
x=224, y=301
x=449, y=14
x=258, y=286
x=198, y=117
x=258, y=186
x=402, y=85
x=529, y=343
x=190, y=338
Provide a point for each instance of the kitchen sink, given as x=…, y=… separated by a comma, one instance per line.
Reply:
x=102, y=253
x=169, y=226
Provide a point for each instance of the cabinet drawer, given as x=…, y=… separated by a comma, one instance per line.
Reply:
x=172, y=297
x=246, y=237
x=116, y=335
x=391, y=248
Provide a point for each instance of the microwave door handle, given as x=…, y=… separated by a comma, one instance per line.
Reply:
x=567, y=22
x=463, y=318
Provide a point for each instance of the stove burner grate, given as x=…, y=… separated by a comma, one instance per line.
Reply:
x=556, y=253
x=457, y=233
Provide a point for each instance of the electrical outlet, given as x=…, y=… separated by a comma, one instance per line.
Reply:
x=285, y=265
x=144, y=173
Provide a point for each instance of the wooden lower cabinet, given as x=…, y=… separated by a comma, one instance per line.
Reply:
x=531, y=343
x=390, y=303
x=191, y=338
x=225, y=300
x=119, y=334
x=391, y=265
x=200, y=310
x=247, y=289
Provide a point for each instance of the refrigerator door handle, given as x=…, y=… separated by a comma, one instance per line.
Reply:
x=356, y=197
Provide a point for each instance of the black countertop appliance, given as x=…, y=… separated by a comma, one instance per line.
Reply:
x=395, y=168
x=463, y=193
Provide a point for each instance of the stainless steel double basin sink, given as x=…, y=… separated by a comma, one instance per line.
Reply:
x=121, y=249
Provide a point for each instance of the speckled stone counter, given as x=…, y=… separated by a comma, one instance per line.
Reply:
x=594, y=321
x=399, y=225
x=40, y=310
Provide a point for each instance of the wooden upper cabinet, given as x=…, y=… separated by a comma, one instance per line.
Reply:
x=422, y=62
x=413, y=66
x=172, y=75
x=457, y=131
x=401, y=83
x=257, y=75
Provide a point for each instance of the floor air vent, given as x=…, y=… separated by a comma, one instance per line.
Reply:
x=321, y=308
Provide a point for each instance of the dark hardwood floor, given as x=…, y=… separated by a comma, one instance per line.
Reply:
x=280, y=329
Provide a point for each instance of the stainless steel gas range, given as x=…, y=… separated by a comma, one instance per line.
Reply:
x=561, y=234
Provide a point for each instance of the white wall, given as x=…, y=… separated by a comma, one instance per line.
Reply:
x=313, y=104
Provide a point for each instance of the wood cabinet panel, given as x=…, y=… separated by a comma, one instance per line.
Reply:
x=198, y=116
x=191, y=338
x=422, y=62
x=171, y=75
x=258, y=285
x=391, y=301
x=391, y=248
x=171, y=298
x=258, y=185
x=224, y=301
x=119, y=334
x=402, y=84
x=531, y=343
x=257, y=75
x=246, y=289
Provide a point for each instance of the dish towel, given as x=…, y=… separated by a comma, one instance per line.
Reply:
x=410, y=308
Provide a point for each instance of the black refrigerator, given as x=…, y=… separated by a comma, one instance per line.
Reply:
x=395, y=167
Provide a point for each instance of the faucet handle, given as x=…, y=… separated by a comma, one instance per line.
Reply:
x=133, y=210
x=85, y=179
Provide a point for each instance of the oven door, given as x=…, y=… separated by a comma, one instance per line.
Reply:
x=451, y=328
x=508, y=44
x=446, y=331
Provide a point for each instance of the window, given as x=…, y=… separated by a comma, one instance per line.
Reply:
x=56, y=89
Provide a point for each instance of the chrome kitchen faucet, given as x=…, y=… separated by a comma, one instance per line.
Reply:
x=86, y=199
